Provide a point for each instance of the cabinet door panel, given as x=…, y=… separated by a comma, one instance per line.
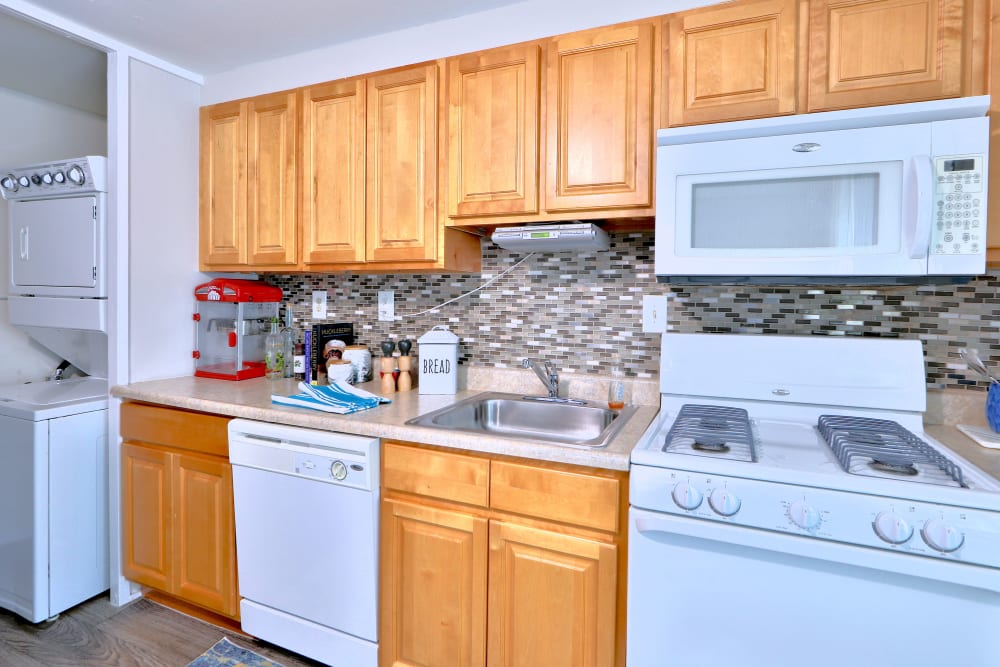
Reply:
x=204, y=547
x=333, y=167
x=433, y=587
x=493, y=132
x=599, y=118
x=868, y=52
x=732, y=62
x=223, y=184
x=552, y=599
x=147, y=523
x=272, y=181
x=401, y=203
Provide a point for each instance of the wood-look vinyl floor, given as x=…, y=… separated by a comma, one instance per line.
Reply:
x=140, y=634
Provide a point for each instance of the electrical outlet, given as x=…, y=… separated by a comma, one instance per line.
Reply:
x=386, y=306
x=654, y=313
x=319, y=305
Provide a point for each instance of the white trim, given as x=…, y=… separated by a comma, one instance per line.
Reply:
x=122, y=590
x=73, y=30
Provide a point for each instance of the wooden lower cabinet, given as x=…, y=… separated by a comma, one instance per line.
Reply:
x=178, y=527
x=551, y=600
x=512, y=583
x=434, y=580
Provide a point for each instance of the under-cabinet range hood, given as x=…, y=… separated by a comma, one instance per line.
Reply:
x=552, y=237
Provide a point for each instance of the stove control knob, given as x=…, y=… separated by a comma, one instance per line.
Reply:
x=892, y=528
x=942, y=536
x=724, y=502
x=338, y=470
x=686, y=496
x=804, y=516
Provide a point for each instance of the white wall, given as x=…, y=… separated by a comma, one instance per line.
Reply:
x=163, y=227
x=37, y=131
x=520, y=22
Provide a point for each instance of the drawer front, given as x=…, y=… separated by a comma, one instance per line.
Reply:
x=557, y=495
x=443, y=475
x=175, y=428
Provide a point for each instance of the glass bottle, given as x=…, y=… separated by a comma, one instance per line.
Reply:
x=616, y=389
x=274, y=352
x=288, y=345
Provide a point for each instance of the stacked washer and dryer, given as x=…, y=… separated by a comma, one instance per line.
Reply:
x=53, y=452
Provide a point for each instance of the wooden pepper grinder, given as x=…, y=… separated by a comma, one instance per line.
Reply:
x=388, y=367
x=405, y=380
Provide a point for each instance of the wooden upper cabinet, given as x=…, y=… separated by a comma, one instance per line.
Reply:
x=493, y=132
x=870, y=52
x=223, y=175
x=599, y=129
x=272, y=179
x=249, y=183
x=333, y=173
x=402, y=174
x=731, y=62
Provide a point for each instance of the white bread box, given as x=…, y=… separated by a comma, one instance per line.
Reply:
x=438, y=354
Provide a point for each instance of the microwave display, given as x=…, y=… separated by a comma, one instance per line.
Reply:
x=966, y=164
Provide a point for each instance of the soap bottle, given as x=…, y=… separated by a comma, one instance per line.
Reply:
x=274, y=353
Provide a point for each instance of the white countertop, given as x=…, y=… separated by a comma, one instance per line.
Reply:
x=251, y=399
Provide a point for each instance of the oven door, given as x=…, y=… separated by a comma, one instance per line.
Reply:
x=705, y=593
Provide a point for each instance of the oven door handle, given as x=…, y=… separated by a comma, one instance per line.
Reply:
x=656, y=526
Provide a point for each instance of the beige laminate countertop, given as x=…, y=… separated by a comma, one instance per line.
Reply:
x=251, y=399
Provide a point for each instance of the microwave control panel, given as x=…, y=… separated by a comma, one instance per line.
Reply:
x=959, y=226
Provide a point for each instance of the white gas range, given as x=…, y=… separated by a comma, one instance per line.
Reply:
x=787, y=491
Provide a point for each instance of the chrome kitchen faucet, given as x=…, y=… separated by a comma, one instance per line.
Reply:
x=546, y=372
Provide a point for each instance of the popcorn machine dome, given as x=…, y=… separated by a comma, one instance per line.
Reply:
x=232, y=320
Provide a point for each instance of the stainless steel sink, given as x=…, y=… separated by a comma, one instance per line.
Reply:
x=573, y=423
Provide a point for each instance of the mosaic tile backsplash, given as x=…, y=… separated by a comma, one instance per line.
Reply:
x=583, y=311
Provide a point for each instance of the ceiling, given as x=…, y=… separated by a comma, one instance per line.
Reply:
x=208, y=37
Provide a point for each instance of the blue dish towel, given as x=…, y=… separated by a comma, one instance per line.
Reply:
x=339, y=397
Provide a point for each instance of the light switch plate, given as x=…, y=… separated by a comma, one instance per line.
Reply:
x=654, y=313
x=319, y=305
x=386, y=306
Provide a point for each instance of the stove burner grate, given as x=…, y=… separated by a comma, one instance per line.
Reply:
x=711, y=430
x=883, y=448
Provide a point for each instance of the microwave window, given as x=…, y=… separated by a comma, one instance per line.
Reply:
x=835, y=211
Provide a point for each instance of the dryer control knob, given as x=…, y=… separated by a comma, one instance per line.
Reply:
x=686, y=496
x=940, y=535
x=892, y=528
x=76, y=175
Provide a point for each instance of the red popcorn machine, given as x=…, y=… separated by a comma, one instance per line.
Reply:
x=232, y=320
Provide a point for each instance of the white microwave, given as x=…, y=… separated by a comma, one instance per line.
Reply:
x=877, y=195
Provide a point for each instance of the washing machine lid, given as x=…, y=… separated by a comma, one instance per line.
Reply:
x=36, y=401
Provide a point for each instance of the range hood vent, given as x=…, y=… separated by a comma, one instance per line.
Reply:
x=579, y=236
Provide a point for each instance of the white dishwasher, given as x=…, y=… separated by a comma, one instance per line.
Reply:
x=307, y=539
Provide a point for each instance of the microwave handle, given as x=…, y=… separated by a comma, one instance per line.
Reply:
x=919, y=202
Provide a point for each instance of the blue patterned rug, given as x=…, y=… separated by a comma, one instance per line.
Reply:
x=227, y=654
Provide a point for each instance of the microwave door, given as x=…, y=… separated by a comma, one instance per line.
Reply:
x=776, y=212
